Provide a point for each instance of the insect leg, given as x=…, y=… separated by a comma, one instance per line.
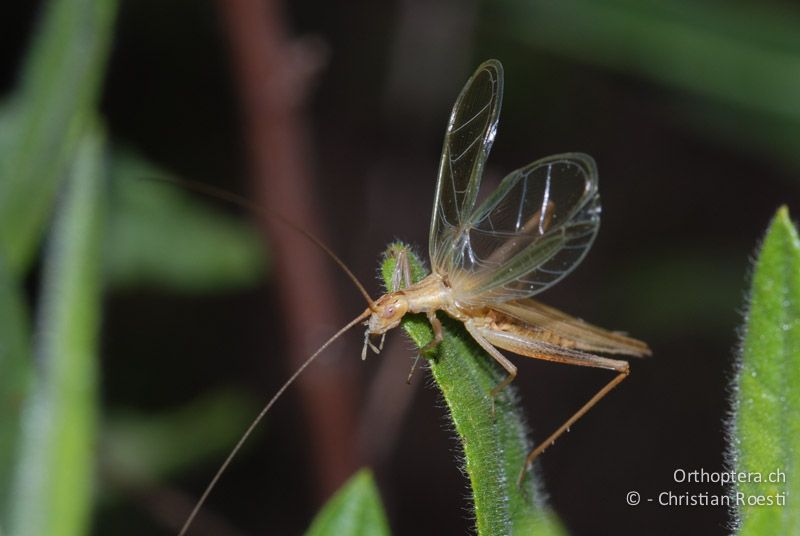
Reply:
x=437, y=338
x=401, y=276
x=402, y=271
x=498, y=356
x=521, y=343
x=437, y=333
x=623, y=369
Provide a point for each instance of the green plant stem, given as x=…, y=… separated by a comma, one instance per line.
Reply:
x=15, y=360
x=51, y=108
x=53, y=493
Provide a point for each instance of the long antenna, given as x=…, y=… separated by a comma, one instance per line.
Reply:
x=259, y=417
x=219, y=193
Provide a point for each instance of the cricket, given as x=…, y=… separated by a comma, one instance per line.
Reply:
x=489, y=259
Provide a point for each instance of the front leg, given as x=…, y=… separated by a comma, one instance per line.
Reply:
x=438, y=335
x=402, y=273
x=401, y=276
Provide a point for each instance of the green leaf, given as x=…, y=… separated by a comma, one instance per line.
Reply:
x=8, y=113
x=715, y=51
x=53, y=493
x=15, y=364
x=705, y=47
x=160, y=235
x=51, y=108
x=355, y=510
x=140, y=450
x=766, y=423
x=494, y=447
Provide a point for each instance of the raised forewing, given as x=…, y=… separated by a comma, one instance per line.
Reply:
x=528, y=234
x=467, y=141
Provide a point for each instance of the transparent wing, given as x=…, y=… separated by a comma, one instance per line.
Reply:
x=528, y=234
x=467, y=141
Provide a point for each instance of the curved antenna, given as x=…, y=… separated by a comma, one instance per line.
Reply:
x=219, y=193
x=259, y=417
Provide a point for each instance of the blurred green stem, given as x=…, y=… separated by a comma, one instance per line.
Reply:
x=735, y=52
x=55, y=477
x=15, y=360
x=56, y=97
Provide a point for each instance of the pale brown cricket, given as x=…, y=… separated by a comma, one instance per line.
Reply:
x=489, y=259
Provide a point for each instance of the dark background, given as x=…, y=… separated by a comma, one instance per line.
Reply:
x=685, y=106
